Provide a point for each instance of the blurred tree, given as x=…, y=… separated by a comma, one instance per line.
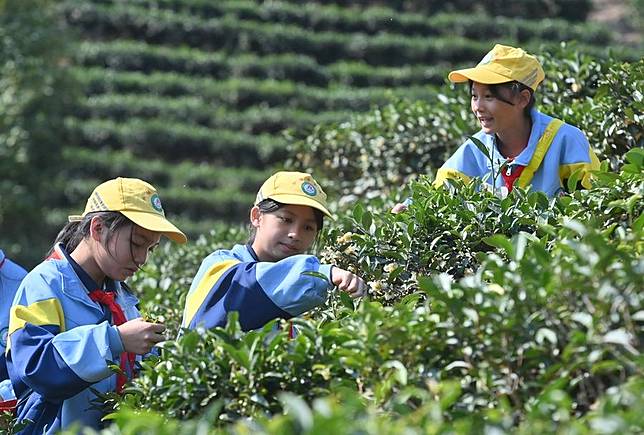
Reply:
x=35, y=94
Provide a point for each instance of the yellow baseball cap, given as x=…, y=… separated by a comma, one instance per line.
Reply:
x=136, y=200
x=501, y=65
x=294, y=188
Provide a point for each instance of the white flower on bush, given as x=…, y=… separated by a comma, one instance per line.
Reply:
x=345, y=238
x=350, y=250
x=501, y=192
x=496, y=288
x=390, y=267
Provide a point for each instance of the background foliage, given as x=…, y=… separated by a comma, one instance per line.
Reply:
x=193, y=95
x=36, y=93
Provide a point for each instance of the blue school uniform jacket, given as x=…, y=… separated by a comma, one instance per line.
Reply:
x=555, y=150
x=234, y=280
x=10, y=276
x=60, y=345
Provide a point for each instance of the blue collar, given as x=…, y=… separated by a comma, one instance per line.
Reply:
x=87, y=280
x=252, y=251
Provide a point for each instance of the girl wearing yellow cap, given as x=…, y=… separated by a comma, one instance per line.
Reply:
x=271, y=276
x=73, y=316
x=525, y=146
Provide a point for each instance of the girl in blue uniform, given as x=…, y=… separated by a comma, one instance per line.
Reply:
x=527, y=147
x=11, y=275
x=73, y=316
x=270, y=277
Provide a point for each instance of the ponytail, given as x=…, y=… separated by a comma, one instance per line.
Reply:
x=74, y=232
x=69, y=237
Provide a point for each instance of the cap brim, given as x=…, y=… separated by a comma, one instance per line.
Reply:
x=477, y=74
x=300, y=200
x=157, y=223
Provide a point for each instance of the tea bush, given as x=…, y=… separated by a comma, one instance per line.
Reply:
x=542, y=329
x=573, y=10
x=374, y=19
x=507, y=342
x=618, y=412
x=444, y=233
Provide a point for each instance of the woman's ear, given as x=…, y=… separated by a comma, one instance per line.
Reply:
x=524, y=98
x=96, y=228
x=255, y=215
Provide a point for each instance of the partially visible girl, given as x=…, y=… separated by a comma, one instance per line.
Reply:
x=271, y=276
x=11, y=275
x=73, y=316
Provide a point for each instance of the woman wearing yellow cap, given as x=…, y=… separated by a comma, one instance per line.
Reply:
x=271, y=276
x=525, y=146
x=73, y=316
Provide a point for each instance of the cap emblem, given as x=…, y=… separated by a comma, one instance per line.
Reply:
x=156, y=203
x=309, y=189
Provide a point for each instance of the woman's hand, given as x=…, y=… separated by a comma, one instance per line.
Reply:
x=139, y=336
x=348, y=282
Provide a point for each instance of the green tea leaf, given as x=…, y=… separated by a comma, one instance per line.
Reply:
x=346, y=300
x=502, y=242
x=574, y=178
x=481, y=146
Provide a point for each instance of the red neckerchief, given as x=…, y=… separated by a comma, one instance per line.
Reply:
x=55, y=255
x=511, y=174
x=118, y=318
x=291, y=331
x=8, y=405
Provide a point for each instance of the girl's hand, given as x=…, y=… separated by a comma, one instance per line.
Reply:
x=402, y=206
x=348, y=282
x=139, y=336
x=399, y=208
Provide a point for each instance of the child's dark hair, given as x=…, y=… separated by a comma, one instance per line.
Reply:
x=271, y=206
x=72, y=233
x=515, y=88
